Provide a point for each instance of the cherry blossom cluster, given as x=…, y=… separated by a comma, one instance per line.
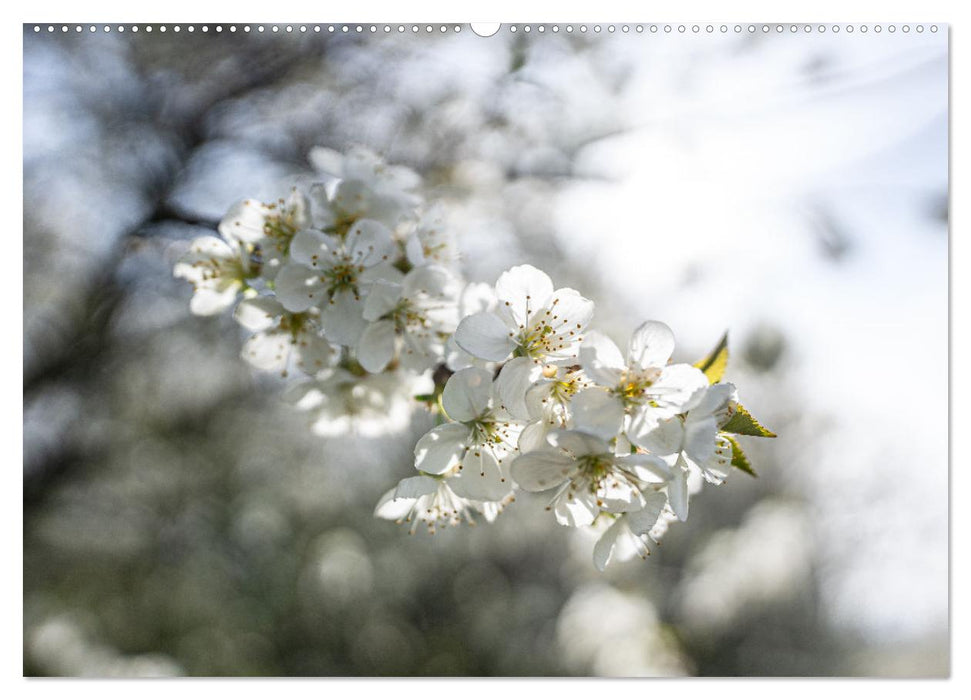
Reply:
x=353, y=283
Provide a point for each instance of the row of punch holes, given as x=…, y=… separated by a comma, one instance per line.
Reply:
x=455, y=28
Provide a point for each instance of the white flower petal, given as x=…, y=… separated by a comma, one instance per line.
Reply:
x=718, y=467
x=578, y=443
x=678, y=490
x=514, y=380
x=343, y=318
x=268, y=350
x=485, y=336
x=414, y=252
x=441, y=313
x=416, y=486
x=441, y=448
x=678, y=387
x=258, y=314
x=401, y=178
x=561, y=327
x=305, y=396
x=311, y=248
x=523, y=291
x=369, y=242
x=244, y=222
x=618, y=496
x=456, y=358
x=375, y=348
x=538, y=399
x=313, y=353
x=389, y=507
x=432, y=280
x=663, y=437
x=351, y=200
x=477, y=297
x=432, y=240
x=360, y=163
x=570, y=311
x=651, y=345
x=700, y=435
x=420, y=352
x=298, y=287
x=208, y=302
x=642, y=521
x=598, y=412
x=382, y=297
x=199, y=259
x=714, y=400
x=273, y=261
x=363, y=164
x=604, y=548
x=481, y=478
x=327, y=161
x=323, y=216
x=384, y=270
x=298, y=209
x=533, y=437
x=467, y=394
x=579, y=511
x=649, y=468
x=622, y=446
x=645, y=419
x=601, y=359
x=542, y=469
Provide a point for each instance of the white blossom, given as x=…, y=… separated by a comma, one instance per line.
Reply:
x=540, y=395
x=334, y=274
x=410, y=320
x=282, y=338
x=589, y=477
x=695, y=435
x=341, y=204
x=631, y=533
x=634, y=395
x=390, y=183
x=218, y=272
x=531, y=320
x=267, y=230
x=532, y=391
x=431, y=241
x=476, y=297
x=473, y=447
x=430, y=500
x=340, y=401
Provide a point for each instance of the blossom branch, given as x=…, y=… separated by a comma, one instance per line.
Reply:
x=354, y=283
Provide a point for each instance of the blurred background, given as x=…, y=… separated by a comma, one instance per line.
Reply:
x=791, y=188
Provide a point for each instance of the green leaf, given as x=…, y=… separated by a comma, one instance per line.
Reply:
x=742, y=423
x=739, y=460
x=714, y=364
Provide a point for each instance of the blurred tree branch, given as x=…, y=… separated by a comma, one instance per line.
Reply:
x=87, y=346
